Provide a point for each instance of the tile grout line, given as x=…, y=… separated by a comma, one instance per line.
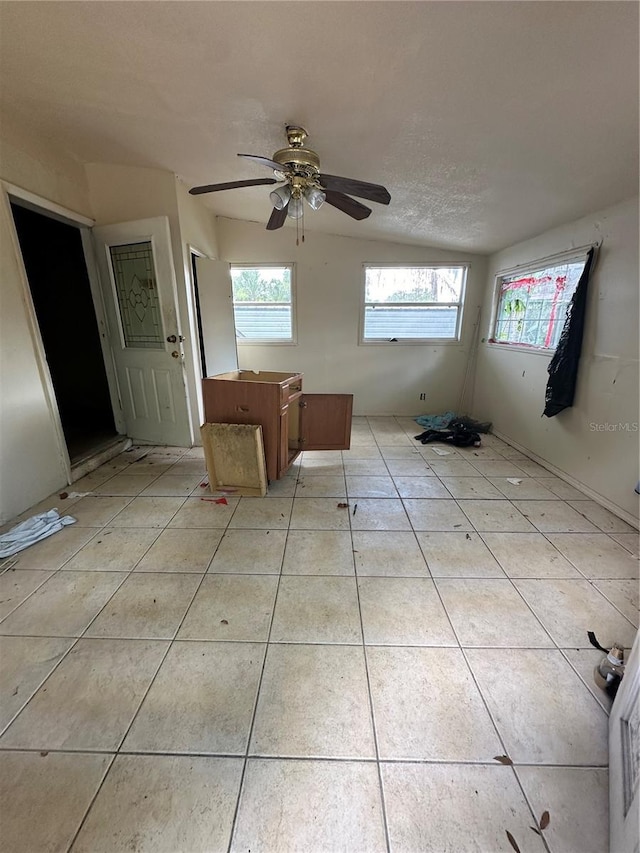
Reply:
x=172, y=640
x=600, y=701
x=144, y=696
x=33, y=591
x=245, y=759
x=556, y=646
x=4, y=729
x=54, y=572
x=491, y=717
x=583, y=576
x=307, y=758
x=380, y=645
x=48, y=676
x=92, y=801
x=114, y=755
x=594, y=581
x=613, y=534
x=546, y=537
x=76, y=640
x=385, y=821
x=127, y=574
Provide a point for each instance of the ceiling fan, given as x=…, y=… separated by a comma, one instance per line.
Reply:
x=299, y=168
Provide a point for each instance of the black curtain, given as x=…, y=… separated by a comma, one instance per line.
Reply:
x=563, y=367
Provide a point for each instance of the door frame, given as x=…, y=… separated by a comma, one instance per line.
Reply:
x=199, y=341
x=84, y=224
x=196, y=357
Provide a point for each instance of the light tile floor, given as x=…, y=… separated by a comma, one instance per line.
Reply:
x=287, y=674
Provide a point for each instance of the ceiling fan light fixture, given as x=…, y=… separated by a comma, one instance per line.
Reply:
x=280, y=197
x=297, y=170
x=296, y=208
x=315, y=197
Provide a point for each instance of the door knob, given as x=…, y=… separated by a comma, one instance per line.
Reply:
x=175, y=354
x=171, y=339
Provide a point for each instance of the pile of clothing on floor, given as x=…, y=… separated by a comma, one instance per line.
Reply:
x=461, y=431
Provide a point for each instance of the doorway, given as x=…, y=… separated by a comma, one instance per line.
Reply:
x=55, y=264
x=196, y=294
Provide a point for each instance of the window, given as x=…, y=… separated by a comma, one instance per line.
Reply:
x=263, y=304
x=532, y=305
x=412, y=303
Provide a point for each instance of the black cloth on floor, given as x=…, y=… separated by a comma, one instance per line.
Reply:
x=459, y=436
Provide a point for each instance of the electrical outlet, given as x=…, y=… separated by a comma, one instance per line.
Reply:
x=423, y=396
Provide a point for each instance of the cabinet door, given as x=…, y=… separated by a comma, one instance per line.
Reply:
x=325, y=421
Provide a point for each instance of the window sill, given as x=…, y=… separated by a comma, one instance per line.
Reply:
x=412, y=342
x=520, y=348
x=269, y=343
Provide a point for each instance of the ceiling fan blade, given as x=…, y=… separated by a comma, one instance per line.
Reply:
x=231, y=185
x=361, y=189
x=277, y=218
x=347, y=205
x=264, y=161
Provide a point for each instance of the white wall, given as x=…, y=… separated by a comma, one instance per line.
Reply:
x=31, y=463
x=385, y=378
x=36, y=165
x=510, y=385
x=197, y=223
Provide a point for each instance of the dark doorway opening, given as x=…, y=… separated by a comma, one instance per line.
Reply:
x=203, y=358
x=59, y=282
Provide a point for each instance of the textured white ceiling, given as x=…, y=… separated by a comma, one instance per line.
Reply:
x=488, y=122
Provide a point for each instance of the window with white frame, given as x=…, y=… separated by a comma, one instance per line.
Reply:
x=263, y=303
x=532, y=304
x=412, y=303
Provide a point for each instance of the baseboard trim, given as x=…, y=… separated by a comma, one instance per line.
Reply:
x=596, y=496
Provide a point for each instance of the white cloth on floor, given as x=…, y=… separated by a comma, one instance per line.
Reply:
x=31, y=531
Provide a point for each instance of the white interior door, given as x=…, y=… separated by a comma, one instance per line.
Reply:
x=624, y=760
x=138, y=278
x=216, y=315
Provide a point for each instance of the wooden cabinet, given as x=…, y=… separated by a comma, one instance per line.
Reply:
x=291, y=420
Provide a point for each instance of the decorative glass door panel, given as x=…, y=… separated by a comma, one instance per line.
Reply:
x=137, y=291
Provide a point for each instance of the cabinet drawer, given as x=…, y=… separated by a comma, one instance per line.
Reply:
x=291, y=389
